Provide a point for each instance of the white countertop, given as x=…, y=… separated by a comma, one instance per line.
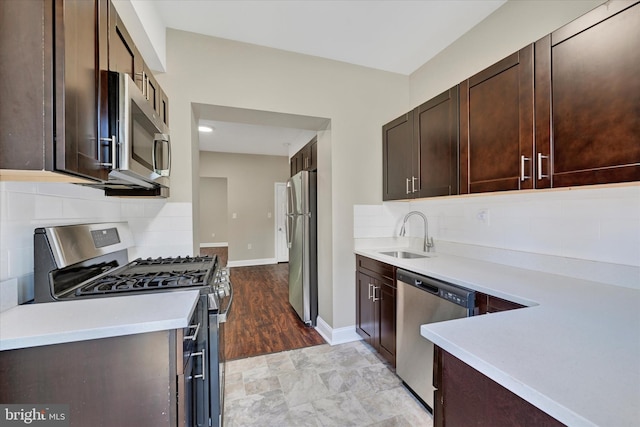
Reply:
x=34, y=325
x=574, y=352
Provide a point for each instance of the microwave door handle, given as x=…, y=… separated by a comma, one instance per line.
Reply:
x=161, y=138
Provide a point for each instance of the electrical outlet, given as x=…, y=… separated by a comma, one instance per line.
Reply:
x=234, y=215
x=213, y=234
x=268, y=214
x=483, y=216
x=249, y=246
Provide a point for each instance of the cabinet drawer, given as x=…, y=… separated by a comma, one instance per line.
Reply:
x=385, y=271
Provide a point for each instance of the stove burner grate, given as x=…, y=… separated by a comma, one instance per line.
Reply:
x=172, y=260
x=127, y=282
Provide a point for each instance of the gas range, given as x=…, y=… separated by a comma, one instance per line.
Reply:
x=152, y=274
x=74, y=262
x=91, y=261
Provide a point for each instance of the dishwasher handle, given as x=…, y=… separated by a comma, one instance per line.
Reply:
x=448, y=291
x=426, y=286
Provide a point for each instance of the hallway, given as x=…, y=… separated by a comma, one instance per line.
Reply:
x=261, y=320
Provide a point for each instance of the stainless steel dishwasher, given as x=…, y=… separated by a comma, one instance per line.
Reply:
x=422, y=300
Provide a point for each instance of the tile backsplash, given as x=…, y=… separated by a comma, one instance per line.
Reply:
x=597, y=228
x=159, y=227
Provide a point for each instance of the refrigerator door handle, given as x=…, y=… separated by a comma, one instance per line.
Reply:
x=287, y=232
x=289, y=215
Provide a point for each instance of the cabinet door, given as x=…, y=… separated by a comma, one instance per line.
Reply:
x=436, y=127
x=123, y=55
x=592, y=67
x=399, y=159
x=26, y=92
x=296, y=163
x=152, y=91
x=164, y=107
x=309, y=155
x=313, y=155
x=365, y=308
x=77, y=60
x=386, y=294
x=496, y=126
x=470, y=398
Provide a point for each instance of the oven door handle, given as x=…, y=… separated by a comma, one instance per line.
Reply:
x=194, y=335
x=222, y=315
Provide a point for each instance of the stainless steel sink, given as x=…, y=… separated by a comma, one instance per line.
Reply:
x=403, y=254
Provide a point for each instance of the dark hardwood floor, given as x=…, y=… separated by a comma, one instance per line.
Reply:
x=261, y=320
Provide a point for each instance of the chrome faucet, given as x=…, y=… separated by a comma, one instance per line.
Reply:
x=428, y=242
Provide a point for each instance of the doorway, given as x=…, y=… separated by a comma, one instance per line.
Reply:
x=282, y=248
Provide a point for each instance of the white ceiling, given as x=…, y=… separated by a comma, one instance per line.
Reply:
x=229, y=137
x=396, y=36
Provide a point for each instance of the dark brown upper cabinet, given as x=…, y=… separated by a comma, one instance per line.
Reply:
x=436, y=128
x=420, y=150
x=588, y=99
x=306, y=158
x=124, y=57
x=399, y=159
x=52, y=53
x=497, y=126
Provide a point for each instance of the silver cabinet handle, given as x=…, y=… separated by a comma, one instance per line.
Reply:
x=540, y=174
x=145, y=85
x=203, y=375
x=408, y=186
x=413, y=184
x=374, y=299
x=114, y=143
x=370, y=286
x=523, y=159
x=195, y=334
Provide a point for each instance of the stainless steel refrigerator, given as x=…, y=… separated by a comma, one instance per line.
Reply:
x=302, y=241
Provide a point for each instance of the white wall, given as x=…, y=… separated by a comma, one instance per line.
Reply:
x=160, y=228
x=590, y=232
x=357, y=100
x=213, y=212
x=250, y=215
x=510, y=28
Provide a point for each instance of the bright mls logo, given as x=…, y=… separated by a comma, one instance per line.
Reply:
x=36, y=415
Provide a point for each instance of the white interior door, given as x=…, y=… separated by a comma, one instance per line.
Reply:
x=282, y=251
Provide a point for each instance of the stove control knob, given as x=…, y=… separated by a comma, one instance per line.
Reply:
x=223, y=292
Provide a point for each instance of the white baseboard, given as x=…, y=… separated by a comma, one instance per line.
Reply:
x=338, y=335
x=251, y=262
x=214, y=245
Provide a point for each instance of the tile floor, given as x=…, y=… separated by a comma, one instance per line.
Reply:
x=342, y=385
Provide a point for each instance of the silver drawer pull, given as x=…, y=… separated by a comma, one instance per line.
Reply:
x=195, y=334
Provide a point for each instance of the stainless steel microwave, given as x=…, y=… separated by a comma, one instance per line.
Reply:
x=141, y=147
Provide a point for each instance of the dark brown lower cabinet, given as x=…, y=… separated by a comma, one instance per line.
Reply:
x=120, y=381
x=376, y=306
x=490, y=304
x=465, y=397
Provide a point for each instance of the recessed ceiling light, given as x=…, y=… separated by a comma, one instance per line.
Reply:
x=205, y=129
